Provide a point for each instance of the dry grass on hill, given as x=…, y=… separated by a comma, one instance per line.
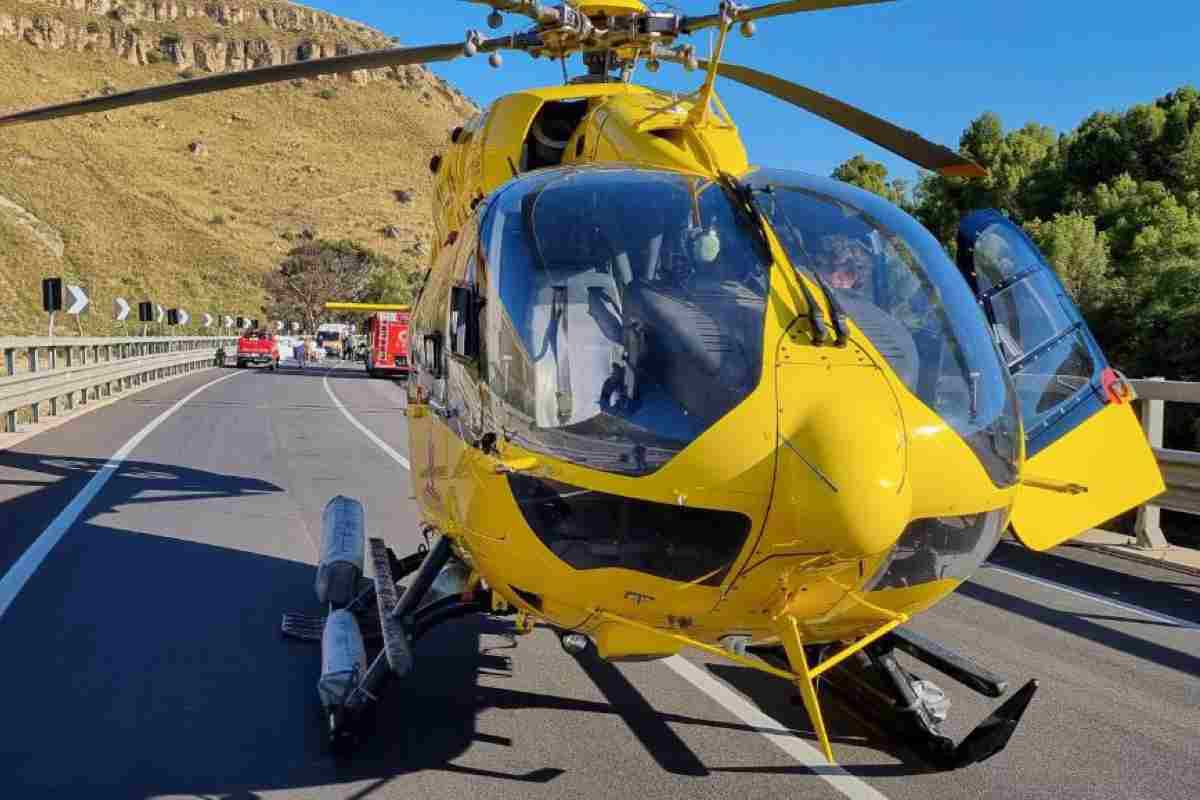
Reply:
x=142, y=216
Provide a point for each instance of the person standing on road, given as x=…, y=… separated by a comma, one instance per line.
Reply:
x=300, y=354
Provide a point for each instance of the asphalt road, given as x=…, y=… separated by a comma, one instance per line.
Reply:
x=142, y=657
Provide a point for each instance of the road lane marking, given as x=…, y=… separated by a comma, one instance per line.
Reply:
x=801, y=751
x=769, y=727
x=22, y=570
x=1164, y=618
x=380, y=443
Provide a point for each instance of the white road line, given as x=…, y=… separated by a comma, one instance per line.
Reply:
x=1164, y=618
x=380, y=443
x=797, y=748
x=22, y=570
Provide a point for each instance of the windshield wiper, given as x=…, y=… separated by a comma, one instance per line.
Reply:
x=836, y=313
x=745, y=194
x=749, y=215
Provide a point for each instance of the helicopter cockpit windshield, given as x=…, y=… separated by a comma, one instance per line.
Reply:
x=892, y=278
x=625, y=313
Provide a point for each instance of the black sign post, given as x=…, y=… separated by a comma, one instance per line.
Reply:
x=173, y=316
x=52, y=298
x=145, y=315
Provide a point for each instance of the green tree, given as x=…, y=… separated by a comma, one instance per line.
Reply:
x=319, y=272
x=873, y=176
x=1079, y=254
x=392, y=284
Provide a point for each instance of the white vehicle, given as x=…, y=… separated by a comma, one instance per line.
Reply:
x=330, y=336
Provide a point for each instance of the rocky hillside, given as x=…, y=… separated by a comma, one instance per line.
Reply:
x=189, y=203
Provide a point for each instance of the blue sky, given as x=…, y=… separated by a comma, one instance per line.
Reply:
x=927, y=65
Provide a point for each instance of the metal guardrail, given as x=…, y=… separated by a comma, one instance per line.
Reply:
x=1180, y=468
x=46, y=376
x=52, y=373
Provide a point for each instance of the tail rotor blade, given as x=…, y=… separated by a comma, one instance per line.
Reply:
x=373, y=59
x=903, y=143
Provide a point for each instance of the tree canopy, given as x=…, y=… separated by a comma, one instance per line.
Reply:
x=1115, y=206
x=322, y=271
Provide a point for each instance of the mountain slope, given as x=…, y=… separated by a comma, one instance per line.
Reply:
x=189, y=203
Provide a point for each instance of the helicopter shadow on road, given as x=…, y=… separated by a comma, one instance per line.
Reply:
x=654, y=728
x=780, y=700
x=54, y=480
x=1084, y=626
x=1178, y=597
x=162, y=671
x=150, y=665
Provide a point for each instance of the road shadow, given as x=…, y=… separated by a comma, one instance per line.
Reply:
x=780, y=700
x=36, y=487
x=1177, y=595
x=1082, y=625
x=153, y=666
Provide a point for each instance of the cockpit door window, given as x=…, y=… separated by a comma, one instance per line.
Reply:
x=1087, y=458
x=1056, y=365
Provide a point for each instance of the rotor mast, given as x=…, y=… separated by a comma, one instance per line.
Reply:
x=698, y=116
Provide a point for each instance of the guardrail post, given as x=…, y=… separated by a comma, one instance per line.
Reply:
x=10, y=366
x=1149, y=533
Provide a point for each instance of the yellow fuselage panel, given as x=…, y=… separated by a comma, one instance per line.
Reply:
x=830, y=457
x=1097, y=471
x=625, y=123
x=862, y=458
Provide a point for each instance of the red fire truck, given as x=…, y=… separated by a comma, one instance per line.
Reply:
x=387, y=344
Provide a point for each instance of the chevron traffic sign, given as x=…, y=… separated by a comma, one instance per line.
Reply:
x=208, y=320
x=79, y=300
x=122, y=309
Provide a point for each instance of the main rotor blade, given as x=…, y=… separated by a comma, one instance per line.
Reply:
x=373, y=59
x=903, y=143
x=526, y=8
x=693, y=24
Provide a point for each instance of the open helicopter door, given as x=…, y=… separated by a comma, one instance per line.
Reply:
x=1086, y=457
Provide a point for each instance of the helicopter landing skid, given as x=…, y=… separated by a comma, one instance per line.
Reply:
x=398, y=619
x=877, y=688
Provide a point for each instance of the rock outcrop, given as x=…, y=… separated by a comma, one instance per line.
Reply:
x=236, y=37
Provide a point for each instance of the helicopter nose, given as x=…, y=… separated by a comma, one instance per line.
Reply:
x=842, y=463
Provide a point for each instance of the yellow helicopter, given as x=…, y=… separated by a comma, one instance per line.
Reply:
x=664, y=398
